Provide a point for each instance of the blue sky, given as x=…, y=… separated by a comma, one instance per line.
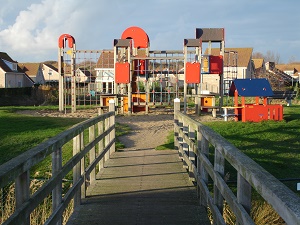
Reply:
x=29, y=29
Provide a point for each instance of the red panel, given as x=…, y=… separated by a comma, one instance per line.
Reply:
x=216, y=64
x=122, y=73
x=192, y=74
x=257, y=113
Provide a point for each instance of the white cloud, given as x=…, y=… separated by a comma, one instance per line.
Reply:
x=29, y=29
x=36, y=30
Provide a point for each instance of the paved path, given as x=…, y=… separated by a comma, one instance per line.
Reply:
x=141, y=186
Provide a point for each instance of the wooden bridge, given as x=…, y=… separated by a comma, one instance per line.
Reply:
x=143, y=186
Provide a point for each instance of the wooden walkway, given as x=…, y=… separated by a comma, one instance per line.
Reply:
x=141, y=186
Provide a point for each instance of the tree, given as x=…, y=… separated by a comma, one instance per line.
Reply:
x=257, y=55
x=268, y=57
x=272, y=57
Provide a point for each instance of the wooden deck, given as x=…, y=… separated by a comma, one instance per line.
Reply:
x=141, y=186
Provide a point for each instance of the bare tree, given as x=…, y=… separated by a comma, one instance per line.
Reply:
x=257, y=55
x=270, y=56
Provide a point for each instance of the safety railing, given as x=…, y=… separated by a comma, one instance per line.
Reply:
x=193, y=141
x=88, y=158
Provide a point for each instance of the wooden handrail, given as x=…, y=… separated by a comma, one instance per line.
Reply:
x=194, y=153
x=17, y=170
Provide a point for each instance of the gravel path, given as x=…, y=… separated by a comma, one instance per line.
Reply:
x=147, y=131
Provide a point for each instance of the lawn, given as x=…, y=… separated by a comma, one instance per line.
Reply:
x=272, y=144
x=19, y=132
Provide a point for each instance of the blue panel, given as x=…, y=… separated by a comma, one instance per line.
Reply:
x=251, y=88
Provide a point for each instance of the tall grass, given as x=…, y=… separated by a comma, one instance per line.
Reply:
x=39, y=215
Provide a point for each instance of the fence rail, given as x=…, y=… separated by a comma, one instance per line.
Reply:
x=192, y=139
x=98, y=147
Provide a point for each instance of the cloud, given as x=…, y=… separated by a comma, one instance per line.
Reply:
x=36, y=29
x=29, y=29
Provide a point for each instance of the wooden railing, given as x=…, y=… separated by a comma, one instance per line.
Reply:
x=88, y=157
x=192, y=139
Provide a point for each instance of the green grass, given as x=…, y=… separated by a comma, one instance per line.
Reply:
x=121, y=129
x=273, y=145
x=19, y=132
x=169, y=144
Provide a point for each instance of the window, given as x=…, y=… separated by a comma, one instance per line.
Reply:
x=13, y=66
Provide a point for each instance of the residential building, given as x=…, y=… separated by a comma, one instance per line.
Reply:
x=84, y=76
x=105, y=72
x=34, y=71
x=237, y=63
x=50, y=72
x=11, y=75
x=291, y=69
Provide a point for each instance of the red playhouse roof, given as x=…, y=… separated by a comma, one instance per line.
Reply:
x=251, y=88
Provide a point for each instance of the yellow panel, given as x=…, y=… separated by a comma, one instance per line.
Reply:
x=207, y=101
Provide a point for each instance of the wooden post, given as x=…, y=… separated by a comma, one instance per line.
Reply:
x=57, y=191
x=257, y=100
x=107, y=139
x=92, y=152
x=199, y=136
x=23, y=192
x=236, y=104
x=76, y=170
x=185, y=146
x=147, y=96
x=111, y=123
x=101, y=143
x=82, y=166
x=176, y=123
x=219, y=163
x=243, y=194
x=176, y=105
x=192, y=155
x=204, y=149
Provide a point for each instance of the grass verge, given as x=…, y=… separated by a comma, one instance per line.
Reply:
x=169, y=144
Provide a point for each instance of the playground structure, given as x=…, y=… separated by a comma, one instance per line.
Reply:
x=258, y=111
x=137, y=77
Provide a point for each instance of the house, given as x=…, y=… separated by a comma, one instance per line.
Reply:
x=50, y=72
x=105, y=80
x=237, y=63
x=34, y=71
x=51, y=75
x=291, y=69
x=106, y=59
x=259, y=66
x=83, y=75
x=11, y=75
x=105, y=72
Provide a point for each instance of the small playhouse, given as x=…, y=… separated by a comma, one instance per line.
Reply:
x=259, y=110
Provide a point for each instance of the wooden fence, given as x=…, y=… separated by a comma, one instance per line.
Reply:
x=89, y=157
x=193, y=141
